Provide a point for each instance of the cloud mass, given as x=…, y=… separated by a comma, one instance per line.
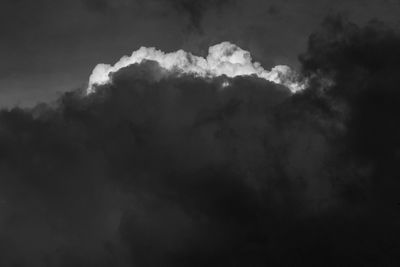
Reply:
x=223, y=59
x=176, y=160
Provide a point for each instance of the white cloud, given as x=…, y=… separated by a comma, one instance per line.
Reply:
x=223, y=59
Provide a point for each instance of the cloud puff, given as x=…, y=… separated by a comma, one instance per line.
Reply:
x=223, y=59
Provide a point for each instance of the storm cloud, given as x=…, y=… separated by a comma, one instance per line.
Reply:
x=182, y=171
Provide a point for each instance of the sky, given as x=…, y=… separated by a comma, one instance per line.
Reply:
x=256, y=133
x=49, y=47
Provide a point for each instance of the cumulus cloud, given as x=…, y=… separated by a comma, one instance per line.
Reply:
x=156, y=169
x=223, y=59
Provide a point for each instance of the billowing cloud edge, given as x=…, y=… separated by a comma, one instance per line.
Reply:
x=223, y=59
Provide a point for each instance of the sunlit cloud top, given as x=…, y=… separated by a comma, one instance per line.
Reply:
x=223, y=59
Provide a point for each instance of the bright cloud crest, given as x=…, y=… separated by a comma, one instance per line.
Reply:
x=223, y=59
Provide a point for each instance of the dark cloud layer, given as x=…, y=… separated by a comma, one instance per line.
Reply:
x=364, y=64
x=179, y=171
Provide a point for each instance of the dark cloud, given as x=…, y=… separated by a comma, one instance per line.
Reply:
x=101, y=6
x=364, y=65
x=196, y=9
x=273, y=10
x=191, y=10
x=179, y=171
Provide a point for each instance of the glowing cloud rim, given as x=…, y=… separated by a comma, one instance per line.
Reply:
x=223, y=59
